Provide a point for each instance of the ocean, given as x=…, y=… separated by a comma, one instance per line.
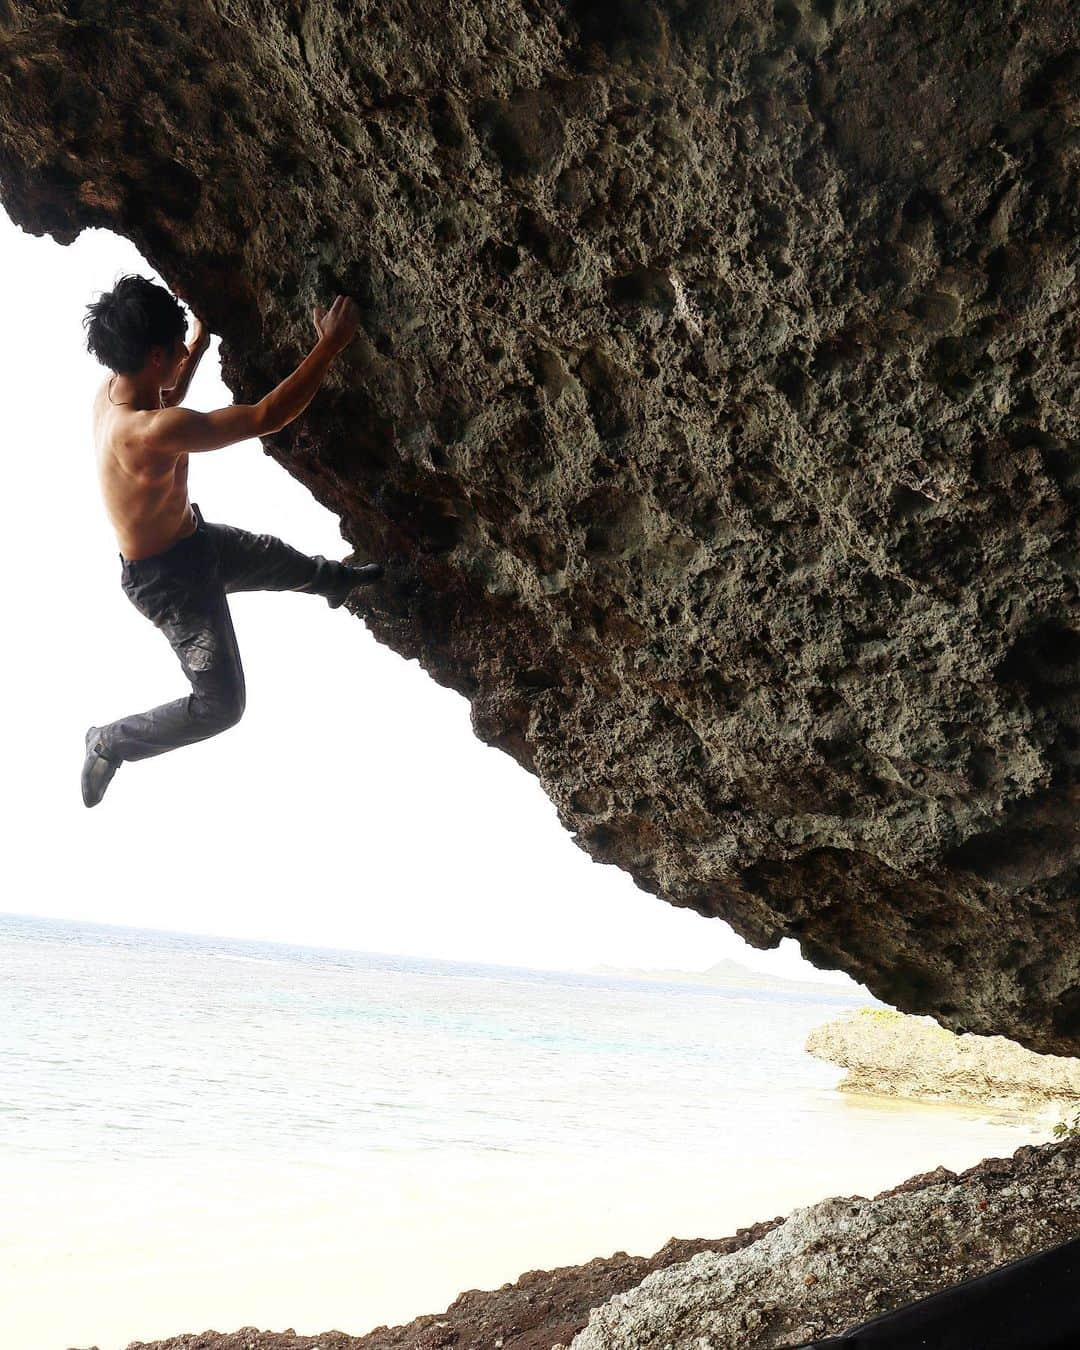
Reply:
x=205, y=1104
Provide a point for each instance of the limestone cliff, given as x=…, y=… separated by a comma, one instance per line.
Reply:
x=715, y=412
x=900, y=1056
x=832, y=1266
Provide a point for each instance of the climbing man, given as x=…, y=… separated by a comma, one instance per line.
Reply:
x=175, y=567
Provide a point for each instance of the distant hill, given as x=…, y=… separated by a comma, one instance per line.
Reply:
x=727, y=973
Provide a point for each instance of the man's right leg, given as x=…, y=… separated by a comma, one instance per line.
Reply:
x=262, y=562
x=196, y=622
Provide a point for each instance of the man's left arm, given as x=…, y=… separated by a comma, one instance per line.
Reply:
x=199, y=342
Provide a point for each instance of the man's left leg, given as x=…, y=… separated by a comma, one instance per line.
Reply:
x=262, y=562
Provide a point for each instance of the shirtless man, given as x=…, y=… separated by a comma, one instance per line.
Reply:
x=175, y=568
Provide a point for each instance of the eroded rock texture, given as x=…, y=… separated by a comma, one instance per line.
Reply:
x=894, y=1055
x=834, y=1265
x=716, y=412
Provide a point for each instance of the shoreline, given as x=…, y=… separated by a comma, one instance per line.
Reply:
x=225, y=1241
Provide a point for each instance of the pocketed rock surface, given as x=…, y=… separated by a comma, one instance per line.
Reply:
x=825, y=1268
x=837, y=1264
x=895, y=1055
x=715, y=412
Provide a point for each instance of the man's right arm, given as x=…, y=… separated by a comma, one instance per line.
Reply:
x=175, y=431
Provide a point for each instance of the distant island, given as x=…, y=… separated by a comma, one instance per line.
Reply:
x=730, y=974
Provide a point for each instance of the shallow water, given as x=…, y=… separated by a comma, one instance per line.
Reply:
x=124, y=1043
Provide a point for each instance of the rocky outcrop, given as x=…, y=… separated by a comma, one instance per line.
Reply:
x=715, y=412
x=900, y=1056
x=535, y=1312
x=825, y=1268
x=836, y=1264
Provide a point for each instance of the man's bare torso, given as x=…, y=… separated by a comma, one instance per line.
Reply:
x=146, y=496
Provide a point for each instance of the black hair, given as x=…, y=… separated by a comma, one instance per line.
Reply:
x=124, y=323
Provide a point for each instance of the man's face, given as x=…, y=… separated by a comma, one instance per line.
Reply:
x=167, y=362
x=179, y=352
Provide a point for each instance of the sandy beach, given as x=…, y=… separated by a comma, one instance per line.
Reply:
x=206, y=1133
x=101, y=1254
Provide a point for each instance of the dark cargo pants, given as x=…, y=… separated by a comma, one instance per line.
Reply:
x=182, y=592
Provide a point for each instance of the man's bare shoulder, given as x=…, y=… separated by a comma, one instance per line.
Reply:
x=157, y=428
x=128, y=437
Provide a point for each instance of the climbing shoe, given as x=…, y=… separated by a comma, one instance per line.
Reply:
x=97, y=771
x=351, y=578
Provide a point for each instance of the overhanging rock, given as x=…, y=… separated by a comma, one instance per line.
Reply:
x=715, y=412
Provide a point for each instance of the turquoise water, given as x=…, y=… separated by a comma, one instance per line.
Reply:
x=124, y=1043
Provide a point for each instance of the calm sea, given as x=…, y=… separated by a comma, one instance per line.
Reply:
x=126, y=1043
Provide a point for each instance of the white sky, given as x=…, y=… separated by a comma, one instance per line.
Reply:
x=352, y=805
